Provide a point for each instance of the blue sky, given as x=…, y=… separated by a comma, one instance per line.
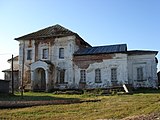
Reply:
x=99, y=22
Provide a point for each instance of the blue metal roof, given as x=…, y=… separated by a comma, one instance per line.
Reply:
x=120, y=48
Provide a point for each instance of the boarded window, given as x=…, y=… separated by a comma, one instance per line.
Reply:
x=97, y=76
x=140, y=73
x=29, y=54
x=45, y=53
x=83, y=76
x=61, y=53
x=114, y=75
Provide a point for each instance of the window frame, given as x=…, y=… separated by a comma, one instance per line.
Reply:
x=62, y=77
x=140, y=74
x=114, y=75
x=29, y=54
x=98, y=76
x=83, y=76
x=45, y=53
x=61, y=53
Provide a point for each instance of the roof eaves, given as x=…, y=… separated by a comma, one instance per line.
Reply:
x=14, y=59
x=142, y=52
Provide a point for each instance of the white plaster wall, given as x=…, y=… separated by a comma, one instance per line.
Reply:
x=21, y=45
x=68, y=44
x=24, y=44
x=42, y=46
x=119, y=62
x=150, y=69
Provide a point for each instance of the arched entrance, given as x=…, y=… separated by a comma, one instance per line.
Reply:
x=40, y=79
x=39, y=76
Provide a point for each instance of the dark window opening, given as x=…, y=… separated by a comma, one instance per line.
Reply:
x=61, y=53
x=45, y=54
x=29, y=54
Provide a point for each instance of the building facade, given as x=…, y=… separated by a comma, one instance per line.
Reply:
x=57, y=58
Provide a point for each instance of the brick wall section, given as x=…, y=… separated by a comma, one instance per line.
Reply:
x=84, y=61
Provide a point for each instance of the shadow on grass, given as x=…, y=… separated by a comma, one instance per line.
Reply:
x=10, y=97
x=146, y=90
x=34, y=99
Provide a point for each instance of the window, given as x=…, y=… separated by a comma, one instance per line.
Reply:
x=62, y=76
x=45, y=53
x=114, y=75
x=97, y=76
x=83, y=76
x=140, y=73
x=61, y=53
x=30, y=43
x=29, y=54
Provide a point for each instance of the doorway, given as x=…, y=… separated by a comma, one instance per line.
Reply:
x=40, y=78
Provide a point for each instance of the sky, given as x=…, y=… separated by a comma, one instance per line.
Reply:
x=99, y=22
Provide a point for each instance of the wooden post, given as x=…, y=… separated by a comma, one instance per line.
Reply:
x=23, y=57
x=12, y=77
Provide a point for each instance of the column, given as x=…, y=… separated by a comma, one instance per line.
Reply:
x=47, y=81
x=32, y=80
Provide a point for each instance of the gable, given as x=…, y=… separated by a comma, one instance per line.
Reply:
x=52, y=31
x=55, y=31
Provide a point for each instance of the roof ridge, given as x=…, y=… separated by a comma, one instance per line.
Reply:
x=55, y=30
x=109, y=45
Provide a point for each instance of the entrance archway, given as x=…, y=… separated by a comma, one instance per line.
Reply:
x=40, y=79
x=40, y=72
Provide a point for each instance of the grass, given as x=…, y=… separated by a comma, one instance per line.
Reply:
x=110, y=107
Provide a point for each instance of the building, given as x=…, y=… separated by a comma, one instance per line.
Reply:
x=158, y=74
x=8, y=73
x=57, y=58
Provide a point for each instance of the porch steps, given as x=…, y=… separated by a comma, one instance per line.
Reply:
x=113, y=90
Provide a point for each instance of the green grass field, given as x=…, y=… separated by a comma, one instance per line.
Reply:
x=110, y=107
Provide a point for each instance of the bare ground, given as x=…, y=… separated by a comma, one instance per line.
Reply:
x=153, y=116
